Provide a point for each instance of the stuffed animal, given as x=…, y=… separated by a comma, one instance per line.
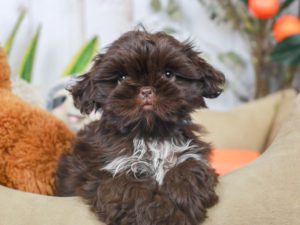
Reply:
x=31, y=140
x=60, y=104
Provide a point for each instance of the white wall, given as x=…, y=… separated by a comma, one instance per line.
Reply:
x=67, y=24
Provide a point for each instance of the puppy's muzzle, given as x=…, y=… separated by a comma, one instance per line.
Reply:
x=146, y=92
x=147, y=97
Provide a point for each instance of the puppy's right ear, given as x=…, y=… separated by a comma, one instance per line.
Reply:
x=85, y=91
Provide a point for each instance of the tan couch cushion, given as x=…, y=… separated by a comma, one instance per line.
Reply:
x=266, y=191
x=248, y=126
x=20, y=208
x=282, y=108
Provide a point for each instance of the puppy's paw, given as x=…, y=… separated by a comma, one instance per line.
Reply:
x=160, y=211
x=117, y=198
x=190, y=186
x=134, y=192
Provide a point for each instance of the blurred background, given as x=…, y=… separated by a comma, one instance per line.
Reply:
x=255, y=43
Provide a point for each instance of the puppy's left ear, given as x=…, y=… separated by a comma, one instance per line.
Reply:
x=212, y=79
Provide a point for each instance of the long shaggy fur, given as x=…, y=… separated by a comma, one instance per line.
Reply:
x=141, y=163
x=31, y=141
x=153, y=158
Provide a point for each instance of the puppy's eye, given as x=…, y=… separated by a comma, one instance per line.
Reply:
x=169, y=74
x=121, y=77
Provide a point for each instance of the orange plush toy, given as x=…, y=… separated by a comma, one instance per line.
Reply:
x=31, y=141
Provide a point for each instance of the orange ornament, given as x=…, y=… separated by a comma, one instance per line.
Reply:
x=264, y=9
x=286, y=26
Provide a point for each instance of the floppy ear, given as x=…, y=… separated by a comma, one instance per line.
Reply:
x=212, y=80
x=86, y=94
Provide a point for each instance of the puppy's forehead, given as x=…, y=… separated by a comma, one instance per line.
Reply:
x=133, y=38
x=137, y=44
x=142, y=52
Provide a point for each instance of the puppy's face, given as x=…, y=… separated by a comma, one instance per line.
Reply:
x=145, y=79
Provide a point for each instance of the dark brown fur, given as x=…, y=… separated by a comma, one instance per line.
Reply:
x=179, y=79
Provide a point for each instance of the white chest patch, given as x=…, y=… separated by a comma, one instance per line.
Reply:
x=153, y=158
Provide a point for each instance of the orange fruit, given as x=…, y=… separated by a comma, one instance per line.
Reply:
x=264, y=9
x=286, y=26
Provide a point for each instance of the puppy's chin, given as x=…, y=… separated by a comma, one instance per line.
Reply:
x=147, y=108
x=151, y=125
x=149, y=120
x=146, y=120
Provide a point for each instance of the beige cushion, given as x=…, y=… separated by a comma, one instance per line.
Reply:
x=267, y=190
x=282, y=108
x=20, y=208
x=248, y=126
x=262, y=193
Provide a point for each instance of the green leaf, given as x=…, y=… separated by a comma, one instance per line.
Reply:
x=232, y=58
x=245, y=2
x=287, y=51
x=10, y=41
x=83, y=57
x=285, y=4
x=156, y=5
x=174, y=11
x=28, y=60
x=169, y=30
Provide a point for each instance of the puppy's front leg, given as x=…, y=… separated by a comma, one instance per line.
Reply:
x=191, y=185
x=160, y=210
x=125, y=200
x=68, y=177
x=116, y=198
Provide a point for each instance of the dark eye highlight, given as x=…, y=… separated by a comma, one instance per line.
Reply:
x=121, y=76
x=169, y=74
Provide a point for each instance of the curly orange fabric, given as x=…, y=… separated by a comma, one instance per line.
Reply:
x=31, y=141
x=4, y=71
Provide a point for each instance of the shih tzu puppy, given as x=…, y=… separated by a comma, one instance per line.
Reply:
x=141, y=163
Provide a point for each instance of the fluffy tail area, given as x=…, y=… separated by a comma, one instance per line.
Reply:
x=5, y=82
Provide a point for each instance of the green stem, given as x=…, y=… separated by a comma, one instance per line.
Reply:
x=289, y=78
x=259, y=51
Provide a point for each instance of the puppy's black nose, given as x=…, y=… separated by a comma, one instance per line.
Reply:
x=146, y=92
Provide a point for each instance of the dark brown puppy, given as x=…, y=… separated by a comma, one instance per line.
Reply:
x=141, y=164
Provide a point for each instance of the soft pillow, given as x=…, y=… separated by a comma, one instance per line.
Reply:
x=247, y=126
x=267, y=190
x=228, y=160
